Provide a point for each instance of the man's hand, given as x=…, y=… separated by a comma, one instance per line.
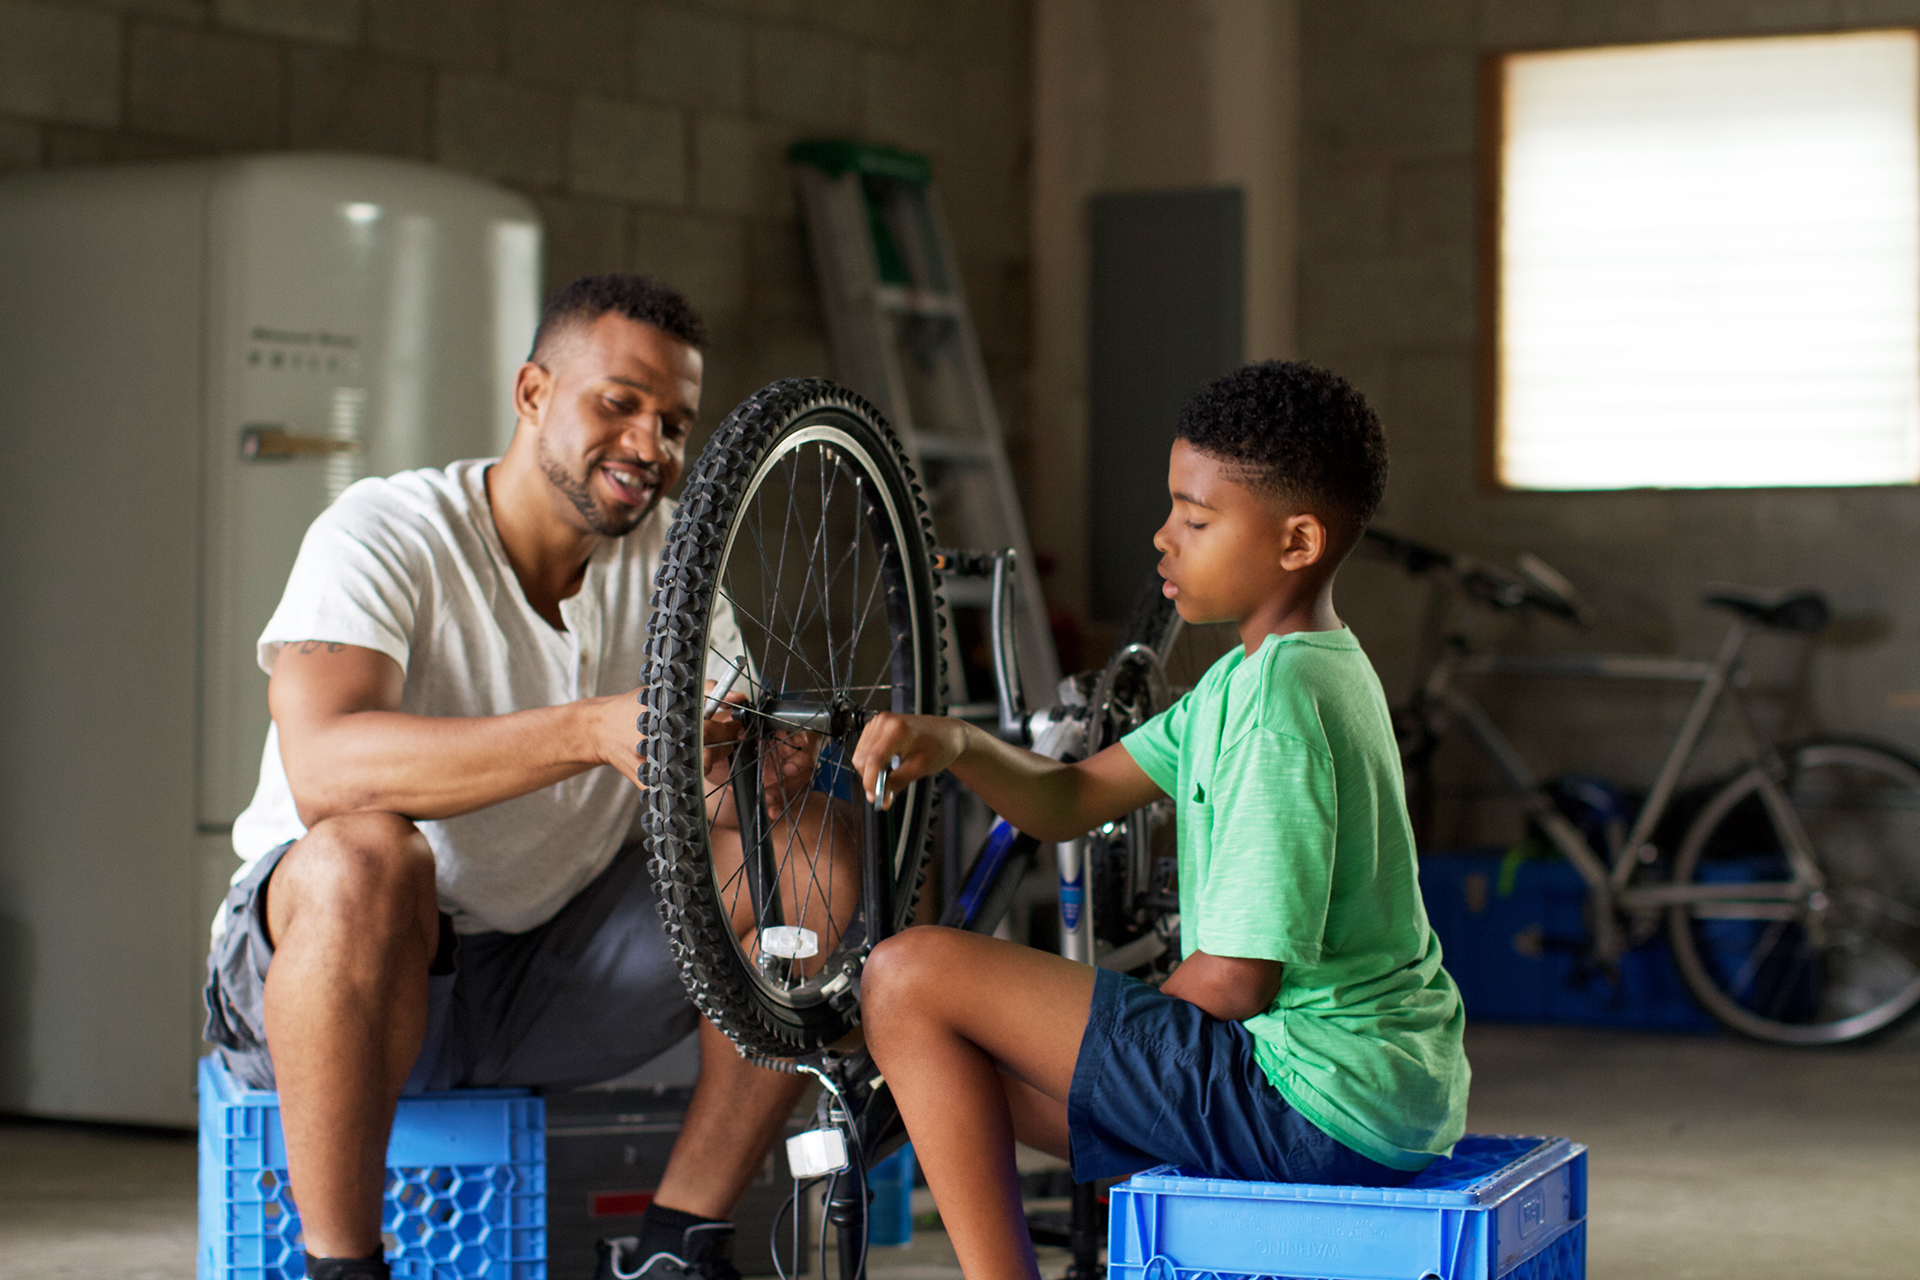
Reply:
x=788, y=762
x=615, y=725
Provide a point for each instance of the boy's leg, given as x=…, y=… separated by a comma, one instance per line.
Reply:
x=946, y=1014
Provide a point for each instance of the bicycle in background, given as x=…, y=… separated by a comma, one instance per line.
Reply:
x=1792, y=898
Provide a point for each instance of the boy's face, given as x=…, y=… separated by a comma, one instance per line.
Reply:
x=1227, y=551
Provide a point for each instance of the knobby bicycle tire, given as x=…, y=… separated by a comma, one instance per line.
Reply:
x=770, y=1008
x=1836, y=965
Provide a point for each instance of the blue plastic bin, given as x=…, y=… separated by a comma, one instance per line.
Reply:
x=466, y=1185
x=890, y=1215
x=1510, y=1207
x=1520, y=956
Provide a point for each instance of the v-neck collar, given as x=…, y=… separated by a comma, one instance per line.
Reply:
x=482, y=503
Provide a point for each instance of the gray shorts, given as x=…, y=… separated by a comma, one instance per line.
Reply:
x=587, y=996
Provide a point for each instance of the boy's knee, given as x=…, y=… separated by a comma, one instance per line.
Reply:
x=904, y=967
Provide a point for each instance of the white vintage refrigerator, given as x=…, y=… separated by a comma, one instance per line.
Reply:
x=194, y=360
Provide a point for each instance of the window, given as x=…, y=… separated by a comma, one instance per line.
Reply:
x=1709, y=265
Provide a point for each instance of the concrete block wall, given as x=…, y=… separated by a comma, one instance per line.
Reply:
x=1390, y=278
x=650, y=133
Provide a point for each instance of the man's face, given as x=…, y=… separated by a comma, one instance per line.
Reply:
x=1222, y=544
x=612, y=412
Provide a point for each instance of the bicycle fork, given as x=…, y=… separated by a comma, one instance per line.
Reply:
x=1076, y=944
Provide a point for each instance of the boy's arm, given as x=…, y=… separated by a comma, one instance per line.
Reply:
x=1230, y=988
x=1043, y=797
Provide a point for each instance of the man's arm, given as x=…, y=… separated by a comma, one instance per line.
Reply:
x=348, y=749
x=1043, y=797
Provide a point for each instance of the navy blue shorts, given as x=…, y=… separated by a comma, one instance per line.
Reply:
x=1158, y=1081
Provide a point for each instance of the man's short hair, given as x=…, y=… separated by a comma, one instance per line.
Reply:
x=1297, y=432
x=636, y=297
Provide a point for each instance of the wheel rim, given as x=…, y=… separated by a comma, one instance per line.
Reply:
x=816, y=572
x=1838, y=958
x=1137, y=858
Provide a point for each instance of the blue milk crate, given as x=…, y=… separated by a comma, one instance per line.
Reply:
x=1520, y=955
x=1498, y=1207
x=890, y=1193
x=466, y=1185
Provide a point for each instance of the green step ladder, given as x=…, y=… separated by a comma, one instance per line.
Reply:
x=903, y=337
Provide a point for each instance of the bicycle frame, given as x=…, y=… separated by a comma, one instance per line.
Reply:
x=1611, y=886
x=854, y=1098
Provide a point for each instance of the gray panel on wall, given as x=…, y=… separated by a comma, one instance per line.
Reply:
x=1168, y=316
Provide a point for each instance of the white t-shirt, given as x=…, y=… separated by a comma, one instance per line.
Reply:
x=412, y=566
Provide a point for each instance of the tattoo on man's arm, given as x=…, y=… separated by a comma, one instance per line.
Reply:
x=314, y=646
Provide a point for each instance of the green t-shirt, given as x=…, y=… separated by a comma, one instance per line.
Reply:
x=1295, y=846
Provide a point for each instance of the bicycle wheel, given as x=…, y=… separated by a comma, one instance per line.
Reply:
x=1824, y=949
x=799, y=568
x=1133, y=862
x=1186, y=649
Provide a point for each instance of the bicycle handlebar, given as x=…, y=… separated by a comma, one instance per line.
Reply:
x=1537, y=586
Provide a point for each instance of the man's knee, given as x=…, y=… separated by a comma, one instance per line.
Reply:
x=374, y=868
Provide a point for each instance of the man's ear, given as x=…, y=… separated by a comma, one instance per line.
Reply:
x=1303, y=542
x=531, y=387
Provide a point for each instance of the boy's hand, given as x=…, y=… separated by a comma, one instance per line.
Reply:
x=912, y=747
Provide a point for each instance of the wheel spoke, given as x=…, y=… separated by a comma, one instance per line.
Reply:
x=804, y=523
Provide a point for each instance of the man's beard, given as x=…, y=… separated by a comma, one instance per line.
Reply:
x=581, y=496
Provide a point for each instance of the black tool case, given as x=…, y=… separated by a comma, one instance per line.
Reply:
x=606, y=1150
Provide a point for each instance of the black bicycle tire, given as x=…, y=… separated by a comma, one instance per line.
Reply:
x=699, y=930
x=1693, y=971
x=1151, y=619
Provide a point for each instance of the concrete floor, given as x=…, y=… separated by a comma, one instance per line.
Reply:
x=1712, y=1159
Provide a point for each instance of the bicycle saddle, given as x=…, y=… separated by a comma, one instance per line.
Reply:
x=1789, y=610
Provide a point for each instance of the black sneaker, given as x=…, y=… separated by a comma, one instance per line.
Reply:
x=706, y=1253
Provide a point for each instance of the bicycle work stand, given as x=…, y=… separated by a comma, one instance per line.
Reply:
x=873, y=1125
x=854, y=1099
x=1061, y=732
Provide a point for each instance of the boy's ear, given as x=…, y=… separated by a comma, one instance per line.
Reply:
x=1303, y=541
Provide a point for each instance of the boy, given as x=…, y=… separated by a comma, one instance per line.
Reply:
x=1309, y=1034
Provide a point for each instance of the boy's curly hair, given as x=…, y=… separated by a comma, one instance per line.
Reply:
x=1298, y=432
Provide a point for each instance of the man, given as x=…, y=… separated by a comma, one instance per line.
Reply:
x=442, y=886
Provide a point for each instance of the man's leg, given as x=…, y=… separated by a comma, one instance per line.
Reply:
x=354, y=920
x=737, y=1111
x=978, y=1039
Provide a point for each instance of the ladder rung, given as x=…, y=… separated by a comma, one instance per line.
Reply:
x=942, y=446
x=901, y=300
x=968, y=593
